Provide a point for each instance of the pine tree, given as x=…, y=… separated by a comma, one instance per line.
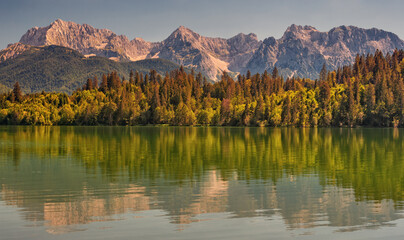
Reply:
x=104, y=83
x=323, y=73
x=370, y=103
x=248, y=76
x=131, y=77
x=95, y=82
x=324, y=94
x=137, y=78
x=275, y=73
x=370, y=92
x=286, y=112
x=17, y=93
x=88, y=85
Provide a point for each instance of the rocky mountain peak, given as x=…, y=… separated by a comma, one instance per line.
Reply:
x=184, y=34
x=252, y=35
x=13, y=50
x=301, y=50
x=88, y=40
x=271, y=41
x=138, y=39
x=298, y=32
x=293, y=28
x=182, y=29
x=299, y=28
x=59, y=22
x=243, y=43
x=244, y=37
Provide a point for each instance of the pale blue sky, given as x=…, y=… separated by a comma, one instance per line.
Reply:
x=154, y=20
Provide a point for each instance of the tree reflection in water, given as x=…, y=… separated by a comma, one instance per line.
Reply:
x=348, y=178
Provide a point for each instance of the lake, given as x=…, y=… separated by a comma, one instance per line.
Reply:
x=201, y=183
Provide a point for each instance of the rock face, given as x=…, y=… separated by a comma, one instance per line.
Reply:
x=13, y=50
x=302, y=50
x=88, y=40
x=211, y=56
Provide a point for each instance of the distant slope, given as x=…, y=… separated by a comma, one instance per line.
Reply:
x=55, y=68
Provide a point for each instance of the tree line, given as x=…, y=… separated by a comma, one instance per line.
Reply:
x=370, y=92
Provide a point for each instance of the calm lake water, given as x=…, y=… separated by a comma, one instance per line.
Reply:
x=201, y=183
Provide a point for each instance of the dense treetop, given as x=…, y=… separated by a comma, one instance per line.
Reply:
x=369, y=92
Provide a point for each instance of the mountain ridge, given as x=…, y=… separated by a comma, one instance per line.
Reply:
x=302, y=50
x=55, y=68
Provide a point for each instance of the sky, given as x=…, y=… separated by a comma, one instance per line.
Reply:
x=154, y=20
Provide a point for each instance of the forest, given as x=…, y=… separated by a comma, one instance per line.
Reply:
x=370, y=92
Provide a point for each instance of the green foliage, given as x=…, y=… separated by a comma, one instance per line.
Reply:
x=60, y=69
x=183, y=116
x=362, y=94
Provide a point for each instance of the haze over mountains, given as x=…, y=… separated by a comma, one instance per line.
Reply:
x=301, y=51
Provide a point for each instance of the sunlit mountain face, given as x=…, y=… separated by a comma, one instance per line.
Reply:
x=301, y=51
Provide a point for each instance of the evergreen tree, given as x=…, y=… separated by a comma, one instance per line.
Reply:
x=131, y=77
x=248, y=76
x=88, y=85
x=323, y=73
x=275, y=73
x=370, y=92
x=17, y=93
x=104, y=83
x=95, y=82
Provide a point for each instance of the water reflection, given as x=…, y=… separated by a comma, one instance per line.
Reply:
x=64, y=176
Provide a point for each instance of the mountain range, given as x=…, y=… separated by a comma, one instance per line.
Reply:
x=301, y=51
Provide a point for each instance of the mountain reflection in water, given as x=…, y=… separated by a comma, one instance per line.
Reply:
x=62, y=177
